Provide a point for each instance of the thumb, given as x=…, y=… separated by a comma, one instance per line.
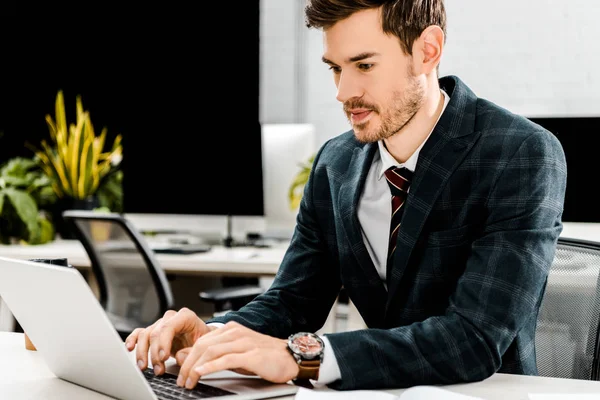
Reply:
x=181, y=355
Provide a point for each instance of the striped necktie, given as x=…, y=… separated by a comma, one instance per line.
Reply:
x=398, y=179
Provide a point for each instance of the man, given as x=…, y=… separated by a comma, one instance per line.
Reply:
x=449, y=295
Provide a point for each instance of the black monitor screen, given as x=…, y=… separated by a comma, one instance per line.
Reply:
x=180, y=84
x=580, y=138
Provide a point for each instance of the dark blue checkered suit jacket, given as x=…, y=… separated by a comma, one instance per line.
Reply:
x=475, y=245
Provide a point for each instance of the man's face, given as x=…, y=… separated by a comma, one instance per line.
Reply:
x=374, y=77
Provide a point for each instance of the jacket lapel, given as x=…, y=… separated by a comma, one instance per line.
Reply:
x=349, y=196
x=449, y=143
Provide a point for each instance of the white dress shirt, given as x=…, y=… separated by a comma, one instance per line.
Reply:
x=374, y=216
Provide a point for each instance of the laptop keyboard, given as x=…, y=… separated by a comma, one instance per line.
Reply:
x=165, y=387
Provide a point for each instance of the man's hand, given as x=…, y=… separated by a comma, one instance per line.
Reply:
x=237, y=348
x=164, y=338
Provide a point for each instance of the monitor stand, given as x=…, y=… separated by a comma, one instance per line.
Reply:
x=229, y=241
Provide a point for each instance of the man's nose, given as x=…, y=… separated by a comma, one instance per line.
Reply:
x=347, y=88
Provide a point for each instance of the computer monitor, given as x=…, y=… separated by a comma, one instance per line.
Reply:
x=285, y=147
x=580, y=139
x=184, y=96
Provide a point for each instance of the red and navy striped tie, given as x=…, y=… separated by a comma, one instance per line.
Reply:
x=398, y=179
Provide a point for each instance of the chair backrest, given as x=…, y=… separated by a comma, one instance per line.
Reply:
x=132, y=285
x=566, y=337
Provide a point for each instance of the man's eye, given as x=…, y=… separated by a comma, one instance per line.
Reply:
x=365, y=67
x=336, y=70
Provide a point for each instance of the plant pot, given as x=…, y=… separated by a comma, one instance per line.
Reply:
x=100, y=230
x=28, y=344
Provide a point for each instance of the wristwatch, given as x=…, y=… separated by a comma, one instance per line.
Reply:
x=307, y=348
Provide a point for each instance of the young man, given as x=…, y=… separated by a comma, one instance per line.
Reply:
x=450, y=294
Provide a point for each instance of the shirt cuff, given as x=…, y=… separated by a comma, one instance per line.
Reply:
x=329, y=370
x=217, y=324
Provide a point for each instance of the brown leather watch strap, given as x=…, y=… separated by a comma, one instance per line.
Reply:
x=309, y=369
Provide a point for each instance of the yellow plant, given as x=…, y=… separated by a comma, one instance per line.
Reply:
x=297, y=186
x=75, y=159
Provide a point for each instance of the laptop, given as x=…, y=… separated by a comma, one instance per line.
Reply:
x=72, y=333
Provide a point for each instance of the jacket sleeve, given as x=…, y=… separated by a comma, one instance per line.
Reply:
x=497, y=295
x=307, y=282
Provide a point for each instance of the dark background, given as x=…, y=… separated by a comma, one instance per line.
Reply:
x=180, y=83
x=580, y=138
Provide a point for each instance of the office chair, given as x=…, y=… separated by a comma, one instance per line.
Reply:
x=230, y=298
x=133, y=288
x=566, y=336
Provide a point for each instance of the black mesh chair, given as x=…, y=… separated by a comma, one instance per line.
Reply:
x=566, y=337
x=133, y=289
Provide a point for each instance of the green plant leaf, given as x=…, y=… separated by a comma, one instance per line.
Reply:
x=1, y=201
x=26, y=208
x=17, y=181
x=45, y=232
x=87, y=184
x=74, y=160
x=296, y=188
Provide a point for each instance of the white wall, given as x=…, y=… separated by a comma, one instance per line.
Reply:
x=281, y=53
x=535, y=57
x=322, y=109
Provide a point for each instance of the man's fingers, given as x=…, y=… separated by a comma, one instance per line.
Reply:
x=190, y=359
x=207, y=341
x=141, y=349
x=181, y=355
x=157, y=355
x=229, y=361
x=184, y=322
x=219, y=350
x=132, y=339
x=202, y=354
x=143, y=344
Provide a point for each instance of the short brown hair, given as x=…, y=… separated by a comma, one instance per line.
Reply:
x=405, y=19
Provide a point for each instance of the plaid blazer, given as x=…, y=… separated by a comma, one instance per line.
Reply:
x=474, y=249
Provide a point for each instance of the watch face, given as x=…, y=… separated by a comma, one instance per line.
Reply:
x=308, y=345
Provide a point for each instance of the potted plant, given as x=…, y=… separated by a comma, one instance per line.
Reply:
x=82, y=173
x=297, y=186
x=24, y=188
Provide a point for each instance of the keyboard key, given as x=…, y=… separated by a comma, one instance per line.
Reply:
x=165, y=387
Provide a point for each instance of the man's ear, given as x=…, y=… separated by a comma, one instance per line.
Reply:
x=428, y=49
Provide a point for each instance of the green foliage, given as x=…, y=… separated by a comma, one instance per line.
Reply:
x=75, y=159
x=297, y=186
x=23, y=188
x=110, y=191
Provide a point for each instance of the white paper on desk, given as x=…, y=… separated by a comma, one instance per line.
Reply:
x=564, y=396
x=413, y=393
x=316, y=394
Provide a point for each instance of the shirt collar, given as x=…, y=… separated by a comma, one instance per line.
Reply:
x=388, y=161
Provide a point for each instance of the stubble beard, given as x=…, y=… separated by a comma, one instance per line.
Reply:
x=403, y=108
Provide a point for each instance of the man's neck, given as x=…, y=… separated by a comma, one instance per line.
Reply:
x=404, y=142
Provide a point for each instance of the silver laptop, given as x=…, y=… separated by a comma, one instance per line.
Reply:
x=71, y=331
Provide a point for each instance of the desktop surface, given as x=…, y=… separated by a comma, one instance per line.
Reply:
x=26, y=376
x=219, y=261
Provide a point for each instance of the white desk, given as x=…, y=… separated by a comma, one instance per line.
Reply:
x=24, y=375
x=235, y=261
x=220, y=260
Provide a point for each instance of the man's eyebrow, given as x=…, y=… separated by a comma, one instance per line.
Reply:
x=355, y=58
